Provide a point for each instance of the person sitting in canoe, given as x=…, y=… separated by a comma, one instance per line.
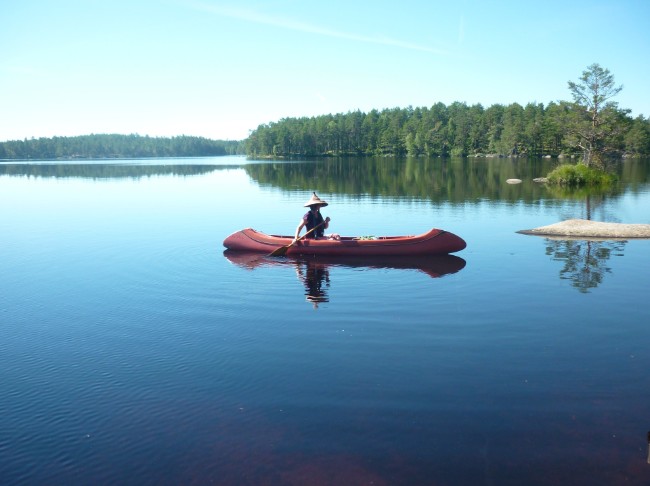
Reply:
x=313, y=219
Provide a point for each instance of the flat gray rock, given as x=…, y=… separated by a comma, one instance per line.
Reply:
x=591, y=229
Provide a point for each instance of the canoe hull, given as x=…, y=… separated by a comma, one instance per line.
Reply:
x=433, y=242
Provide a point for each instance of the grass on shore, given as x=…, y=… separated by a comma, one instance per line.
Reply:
x=579, y=175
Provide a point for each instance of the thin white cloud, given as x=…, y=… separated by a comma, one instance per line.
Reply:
x=461, y=30
x=250, y=15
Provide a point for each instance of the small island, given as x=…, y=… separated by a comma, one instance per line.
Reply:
x=583, y=228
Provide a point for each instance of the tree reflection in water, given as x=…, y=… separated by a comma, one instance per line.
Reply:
x=585, y=261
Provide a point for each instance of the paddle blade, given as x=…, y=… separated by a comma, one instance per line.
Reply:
x=280, y=251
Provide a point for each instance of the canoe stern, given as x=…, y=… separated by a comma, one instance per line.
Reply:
x=449, y=243
x=250, y=240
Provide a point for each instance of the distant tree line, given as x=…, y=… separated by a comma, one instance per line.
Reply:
x=116, y=146
x=440, y=130
x=592, y=127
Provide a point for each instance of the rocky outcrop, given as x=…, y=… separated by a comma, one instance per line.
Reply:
x=583, y=228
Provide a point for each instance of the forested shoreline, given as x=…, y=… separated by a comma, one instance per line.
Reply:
x=454, y=130
x=439, y=131
x=98, y=146
x=592, y=128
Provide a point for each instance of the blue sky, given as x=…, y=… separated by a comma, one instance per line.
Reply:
x=220, y=68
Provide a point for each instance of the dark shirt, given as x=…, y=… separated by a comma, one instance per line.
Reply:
x=312, y=220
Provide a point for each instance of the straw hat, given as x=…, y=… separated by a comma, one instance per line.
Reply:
x=315, y=200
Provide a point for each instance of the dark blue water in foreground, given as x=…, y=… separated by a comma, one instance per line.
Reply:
x=133, y=350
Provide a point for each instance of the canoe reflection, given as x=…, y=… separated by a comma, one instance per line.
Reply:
x=314, y=271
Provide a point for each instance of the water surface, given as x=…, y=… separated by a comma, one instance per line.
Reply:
x=134, y=350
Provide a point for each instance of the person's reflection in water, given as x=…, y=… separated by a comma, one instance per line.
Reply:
x=316, y=279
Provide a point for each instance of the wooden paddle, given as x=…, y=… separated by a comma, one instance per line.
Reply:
x=283, y=249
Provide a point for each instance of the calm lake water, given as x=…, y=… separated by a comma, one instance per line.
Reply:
x=134, y=350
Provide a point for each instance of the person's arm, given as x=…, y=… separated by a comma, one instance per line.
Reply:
x=298, y=229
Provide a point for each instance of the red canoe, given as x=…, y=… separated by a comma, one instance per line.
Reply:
x=433, y=242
